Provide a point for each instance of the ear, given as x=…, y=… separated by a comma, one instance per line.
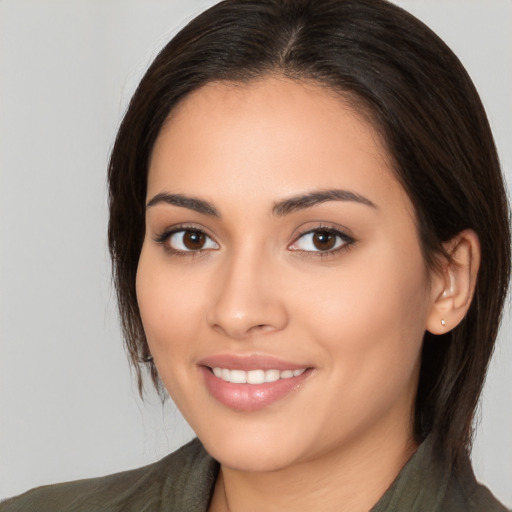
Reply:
x=453, y=285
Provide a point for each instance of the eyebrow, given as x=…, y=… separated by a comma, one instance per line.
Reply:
x=304, y=201
x=300, y=202
x=192, y=203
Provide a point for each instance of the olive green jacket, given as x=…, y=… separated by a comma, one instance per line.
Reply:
x=184, y=482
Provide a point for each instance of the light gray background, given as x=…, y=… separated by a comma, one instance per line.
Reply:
x=68, y=406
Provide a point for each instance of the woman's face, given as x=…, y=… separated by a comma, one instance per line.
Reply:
x=281, y=250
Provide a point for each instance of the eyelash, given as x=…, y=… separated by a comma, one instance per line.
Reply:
x=164, y=237
x=347, y=241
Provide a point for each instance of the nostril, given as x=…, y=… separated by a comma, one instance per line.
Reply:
x=262, y=328
x=238, y=315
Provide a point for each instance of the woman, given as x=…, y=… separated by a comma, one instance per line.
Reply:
x=311, y=251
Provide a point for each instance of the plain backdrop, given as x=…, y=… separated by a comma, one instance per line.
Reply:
x=68, y=405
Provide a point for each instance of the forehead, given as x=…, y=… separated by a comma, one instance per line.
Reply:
x=274, y=135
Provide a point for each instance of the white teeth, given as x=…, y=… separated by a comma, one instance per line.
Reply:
x=272, y=375
x=255, y=376
x=237, y=376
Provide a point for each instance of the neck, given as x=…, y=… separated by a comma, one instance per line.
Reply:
x=348, y=479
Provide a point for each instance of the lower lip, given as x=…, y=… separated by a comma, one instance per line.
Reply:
x=250, y=397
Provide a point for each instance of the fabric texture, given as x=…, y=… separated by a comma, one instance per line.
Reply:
x=184, y=482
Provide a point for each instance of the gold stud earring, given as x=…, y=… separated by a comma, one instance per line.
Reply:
x=443, y=322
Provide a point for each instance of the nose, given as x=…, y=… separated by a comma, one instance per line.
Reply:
x=248, y=298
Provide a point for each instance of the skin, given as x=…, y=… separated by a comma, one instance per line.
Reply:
x=355, y=315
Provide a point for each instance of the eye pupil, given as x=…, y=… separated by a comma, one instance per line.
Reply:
x=193, y=240
x=324, y=241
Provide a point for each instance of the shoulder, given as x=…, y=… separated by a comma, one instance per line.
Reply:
x=430, y=482
x=466, y=494
x=184, y=478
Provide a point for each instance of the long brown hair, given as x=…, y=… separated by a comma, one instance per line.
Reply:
x=393, y=69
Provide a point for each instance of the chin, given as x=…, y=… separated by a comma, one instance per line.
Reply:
x=251, y=456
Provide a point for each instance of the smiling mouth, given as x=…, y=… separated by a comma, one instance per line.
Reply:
x=257, y=376
x=254, y=389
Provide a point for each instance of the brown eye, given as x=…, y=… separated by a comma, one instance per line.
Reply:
x=323, y=240
x=193, y=240
x=189, y=240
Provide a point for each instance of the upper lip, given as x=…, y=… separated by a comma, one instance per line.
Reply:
x=249, y=362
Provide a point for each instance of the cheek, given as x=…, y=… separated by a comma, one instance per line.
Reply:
x=370, y=316
x=168, y=303
x=370, y=325
x=169, y=307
